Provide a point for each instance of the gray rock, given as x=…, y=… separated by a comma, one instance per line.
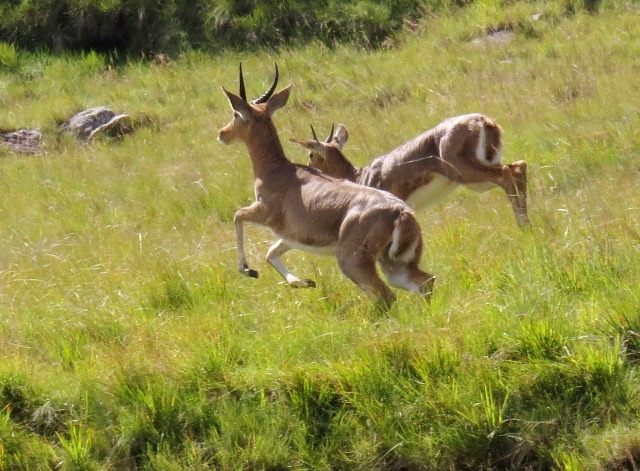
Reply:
x=22, y=140
x=86, y=124
x=500, y=36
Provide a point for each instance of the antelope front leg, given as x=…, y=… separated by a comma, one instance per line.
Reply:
x=273, y=257
x=512, y=179
x=253, y=213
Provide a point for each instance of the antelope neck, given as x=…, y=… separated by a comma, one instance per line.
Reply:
x=347, y=170
x=266, y=152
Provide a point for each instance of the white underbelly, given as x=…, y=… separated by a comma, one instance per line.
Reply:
x=480, y=187
x=318, y=250
x=431, y=193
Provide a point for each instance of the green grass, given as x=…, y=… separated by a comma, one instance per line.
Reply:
x=130, y=341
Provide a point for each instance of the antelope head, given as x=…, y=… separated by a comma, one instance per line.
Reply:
x=327, y=156
x=249, y=117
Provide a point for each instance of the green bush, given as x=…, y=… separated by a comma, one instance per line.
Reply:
x=169, y=26
x=8, y=56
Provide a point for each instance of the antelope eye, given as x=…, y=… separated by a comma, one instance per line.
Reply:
x=237, y=115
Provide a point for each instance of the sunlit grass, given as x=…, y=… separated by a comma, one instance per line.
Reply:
x=129, y=339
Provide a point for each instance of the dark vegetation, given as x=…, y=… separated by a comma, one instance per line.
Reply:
x=137, y=27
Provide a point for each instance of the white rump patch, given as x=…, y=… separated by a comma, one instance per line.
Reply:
x=394, y=242
x=481, y=150
x=407, y=255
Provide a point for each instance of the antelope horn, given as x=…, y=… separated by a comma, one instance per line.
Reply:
x=269, y=92
x=243, y=92
x=313, y=133
x=331, y=133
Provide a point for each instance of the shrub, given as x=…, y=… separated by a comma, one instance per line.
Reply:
x=8, y=56
x=169, y=26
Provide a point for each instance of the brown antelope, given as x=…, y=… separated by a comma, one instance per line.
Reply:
x=464, y=150
x=315, y=212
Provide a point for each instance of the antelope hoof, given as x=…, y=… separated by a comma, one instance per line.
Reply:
x=427, y=288
x=249, y=272
x=303, y=284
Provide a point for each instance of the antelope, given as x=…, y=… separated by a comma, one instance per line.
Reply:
x=311, y=211
x=464, y=150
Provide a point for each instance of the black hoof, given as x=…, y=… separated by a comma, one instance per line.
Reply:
x=249, y=272
x=303, y=284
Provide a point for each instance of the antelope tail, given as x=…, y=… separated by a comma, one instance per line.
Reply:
x=406, y=239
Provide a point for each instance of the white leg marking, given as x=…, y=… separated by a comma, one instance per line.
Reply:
x=405, y=256
x=273, y=257
x=394, y=242
x=400, y=279
x=242, y=258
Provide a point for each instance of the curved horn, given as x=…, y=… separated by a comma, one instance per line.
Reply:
x=269, y=92
x=313, y=133
x=243, y=92
x=331, y=133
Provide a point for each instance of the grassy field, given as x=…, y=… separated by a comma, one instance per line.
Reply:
x=128, y=339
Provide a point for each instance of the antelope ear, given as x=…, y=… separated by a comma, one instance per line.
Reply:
x=238, y=104
x=279, y=99
x=309, y=144
x=341, y=136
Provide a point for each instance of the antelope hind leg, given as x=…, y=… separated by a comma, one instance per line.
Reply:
x=408, y=276
x=361, y=269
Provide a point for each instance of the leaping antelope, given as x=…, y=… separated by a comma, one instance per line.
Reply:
x=464, y=150
x=318, y=213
